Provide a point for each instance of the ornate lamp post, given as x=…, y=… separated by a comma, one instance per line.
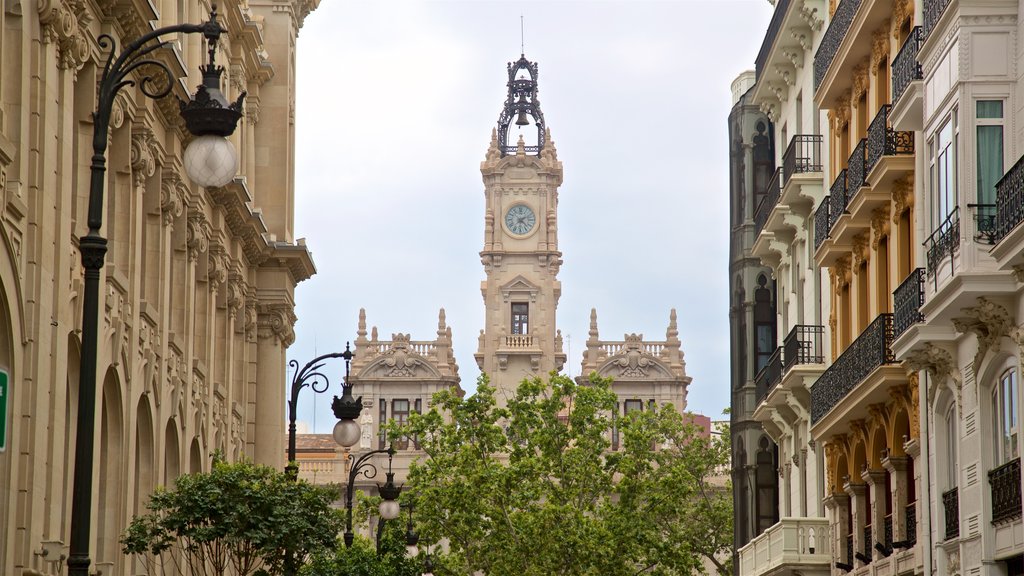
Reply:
x=210, y=161
x=389, y=508
x=311, y=376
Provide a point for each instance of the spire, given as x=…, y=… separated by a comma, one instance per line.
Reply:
x=441, y=323
x=672, y=334
x=593, y=324
x=521, y=107
x=361, y=332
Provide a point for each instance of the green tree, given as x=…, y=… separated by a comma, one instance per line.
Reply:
x=249, y=518
x=362, y=558
x=535, y=489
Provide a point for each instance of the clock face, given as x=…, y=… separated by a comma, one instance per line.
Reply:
x=520, y=219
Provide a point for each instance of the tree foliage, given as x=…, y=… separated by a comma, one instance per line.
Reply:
x=362, y=558
x=535, y=489
x=249, y=518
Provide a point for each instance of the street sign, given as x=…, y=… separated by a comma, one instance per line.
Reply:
x=4, y=393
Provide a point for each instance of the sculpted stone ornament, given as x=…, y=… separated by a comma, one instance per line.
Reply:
x=400, y=360
x=989, y=322
x=939, y=364
x=632, y=361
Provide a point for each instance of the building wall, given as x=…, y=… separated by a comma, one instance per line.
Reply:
x=197, y=290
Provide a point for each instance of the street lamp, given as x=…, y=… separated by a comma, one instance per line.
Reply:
x=389, y=508
x=209, y=117
x=411, y=537
x=310, y=376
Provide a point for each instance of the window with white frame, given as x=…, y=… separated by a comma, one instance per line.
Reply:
x=943, y=171
x=951, y=447
x=989, y=120
x=1006, y=419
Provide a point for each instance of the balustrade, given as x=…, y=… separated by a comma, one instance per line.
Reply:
x=1009, y=200
x=821, y=222
x=951, y=505
x=873, y=348
x=803, y=155
x=849, y=549
x=905, y=67
x=838, y=26
x=882, y=140
x=907, y=301
x=1005, y=484
x=519, y=341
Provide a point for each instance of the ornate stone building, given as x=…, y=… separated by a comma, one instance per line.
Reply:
x=198, y=283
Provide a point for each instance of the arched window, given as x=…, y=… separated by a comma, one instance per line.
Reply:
x=951, y=447
x=1006, y=419
x=766, y=476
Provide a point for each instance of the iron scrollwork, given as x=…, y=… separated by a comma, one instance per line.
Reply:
x=521, y=101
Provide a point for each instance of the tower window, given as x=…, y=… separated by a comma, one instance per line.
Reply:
x=520, y=318
x=400, y=414
x=634, y=406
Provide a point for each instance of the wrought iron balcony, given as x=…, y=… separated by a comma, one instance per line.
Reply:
x=769, y=376
x=781, y=7
x=933, y=10
x=907, y=301
x=873, y=348
x=882, y=140
x=905, y=67
x=856, y=169
x=803, y=155
x=803, y=346
x=984, y=222
x=1010, y=200
x=838, y=26
x=837, y=199
x=1005, y=483
x=768, y=203
x=887, y=532
x=821, y=222
x=867, y=543
x=849, y=549
x=911, y=518
x=943, y=242
x=951, y=505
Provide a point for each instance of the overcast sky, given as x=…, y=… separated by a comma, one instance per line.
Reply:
x=396, y=102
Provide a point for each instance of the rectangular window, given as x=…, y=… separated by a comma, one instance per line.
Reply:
x=400, y=414
x=1006, y=419
x=944, y=173
x=765, y=345
x=418, y=409
x=520, y=318
x=633, y=406
x=615, y=428
x=990, y=151
x=951, y=440
x=382, y=440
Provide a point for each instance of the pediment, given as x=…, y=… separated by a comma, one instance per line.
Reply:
x=634, y=365
x=520, y=285
x=399, y=364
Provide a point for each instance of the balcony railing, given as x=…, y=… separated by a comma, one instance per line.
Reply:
x=1005, y=483
x=907, y=301
x=769, y=376
x=884, y=141
x=802, y=541
x=911, y=524
x=1010, y=200
x=984, y=222
x=856, y=169
x=867, y=543
x=803, y=155
x=768, y=203
x=821, y=222
x=837, y=199
x=944, y=241
x=887, y=532
x=781, y=7
x=838, y=26
x=933, y=10
x=905, y=67
x=803, y=346
x=849, y=549
x=951, y=505
x=873, y=348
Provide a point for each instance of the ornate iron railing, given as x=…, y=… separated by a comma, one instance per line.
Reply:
x=837, y=200
x=856, y=169
x=944, y=241
x=768, y=203
x=911, y=523
x=1005, y=483
x=769, y=38
x=802, y=155
x=1010, y=200
x=887, y=532
x=933, y=10
x=769, y=376
x=884, y=141
x=821, y=222
x=873, y=348
x=867, y=543
x=984, y=222
x=838, y=26
x=803, y=346
x=849, y=549
x=907, y=301
x=905, y=67
x=951, y=506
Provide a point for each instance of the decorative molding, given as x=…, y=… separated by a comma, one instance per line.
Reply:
x=64, y=24
x=989, y=322
x=276, y=321
x=880, y=46
x=902, y=196
x=198, y=237
x=172, y=197
x=144, y=154
x=941, y=368
x=811, y=17
x=879, y=225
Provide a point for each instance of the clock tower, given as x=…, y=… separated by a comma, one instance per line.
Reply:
x=520, y=253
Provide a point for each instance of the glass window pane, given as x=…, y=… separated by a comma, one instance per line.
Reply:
x=990, y=108
x=990, y=162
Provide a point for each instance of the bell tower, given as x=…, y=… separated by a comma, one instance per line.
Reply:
x=520, y=253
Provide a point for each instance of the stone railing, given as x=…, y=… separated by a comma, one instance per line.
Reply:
x=421, y=347
x=797, y=541
x=519, y=341
x=614, y=347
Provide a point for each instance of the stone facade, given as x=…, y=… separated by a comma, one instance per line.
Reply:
x=197, y=289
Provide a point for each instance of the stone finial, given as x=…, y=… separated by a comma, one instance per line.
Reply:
x=673, y=329
x=494, y=150
x=441, y=325
x=593, y=324
x=373, y=334
x=521, y=146
x=361, y=332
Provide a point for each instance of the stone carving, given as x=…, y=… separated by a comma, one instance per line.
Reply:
x=399, y=359
x=198, y=234
x=276, y=321
x=880, y=46
x=172, y=197
x=989, y=322
x=879, y=225
x=902, y=196
x=143, y=157
x=940, y=365
x=63, y=24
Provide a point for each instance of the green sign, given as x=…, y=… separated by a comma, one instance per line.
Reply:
x=4, y=393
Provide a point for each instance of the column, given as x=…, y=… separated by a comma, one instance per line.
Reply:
x=897, y=467
x=876, y=515
x=837, y=508
x=858, y=504
x=274, y=335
